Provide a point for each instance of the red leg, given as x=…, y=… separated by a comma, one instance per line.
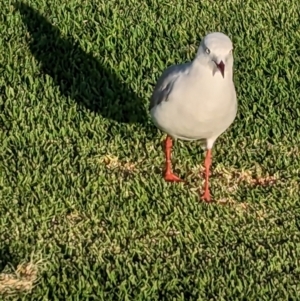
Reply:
x=169, y=176
x=207, y=163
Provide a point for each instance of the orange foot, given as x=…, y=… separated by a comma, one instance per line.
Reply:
x=206, y=197
x=170, y=177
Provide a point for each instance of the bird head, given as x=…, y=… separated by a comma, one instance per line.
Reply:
x=216, y=50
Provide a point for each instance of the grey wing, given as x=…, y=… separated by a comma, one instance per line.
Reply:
x=165, y=84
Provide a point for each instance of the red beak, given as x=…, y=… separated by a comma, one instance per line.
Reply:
x=221, y=67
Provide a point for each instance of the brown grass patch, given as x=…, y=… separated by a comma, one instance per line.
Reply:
x=231, y=178
x=22, y=280
x=250, y=177
x=113, y=162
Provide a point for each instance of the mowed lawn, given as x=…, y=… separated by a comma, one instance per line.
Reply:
x=85, y=213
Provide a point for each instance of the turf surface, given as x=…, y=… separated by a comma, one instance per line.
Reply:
x=80, y=161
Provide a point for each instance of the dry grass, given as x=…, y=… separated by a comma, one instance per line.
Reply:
x=113, y=162
x=22, y=280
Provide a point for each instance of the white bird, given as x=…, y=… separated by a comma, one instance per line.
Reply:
x=197, y=100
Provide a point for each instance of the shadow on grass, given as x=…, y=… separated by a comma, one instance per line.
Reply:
x=6, y=257
x=78, y=74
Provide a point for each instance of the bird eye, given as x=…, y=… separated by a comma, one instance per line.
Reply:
x=207, y=51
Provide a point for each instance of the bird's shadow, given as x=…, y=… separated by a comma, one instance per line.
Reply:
x=79, y=75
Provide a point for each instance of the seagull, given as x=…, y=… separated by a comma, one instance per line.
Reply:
x=196, y=101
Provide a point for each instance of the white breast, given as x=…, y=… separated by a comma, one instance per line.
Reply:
x=197, y=109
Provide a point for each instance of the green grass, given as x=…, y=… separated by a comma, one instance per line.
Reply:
x=80, y=160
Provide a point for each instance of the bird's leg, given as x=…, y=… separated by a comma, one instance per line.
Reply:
x=169, y=176
x=207, y=163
